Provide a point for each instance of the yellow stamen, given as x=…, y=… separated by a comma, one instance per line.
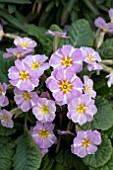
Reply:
x=81, y=108
x=86, y=88
x=43, y=133
x=65, y=86
x=6, y=118
x=24, y=75
x=86, y=142
x=17, y=55
x=91, y=58
x=66, y=61
x=26, y=96
x=0, y=92
x=45, y=109
x=23, y=44
x=35, y=65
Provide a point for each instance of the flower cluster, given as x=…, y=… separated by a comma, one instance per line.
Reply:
x=24, y=46
x=65, y=85
x=68, y=88
x=5, y=116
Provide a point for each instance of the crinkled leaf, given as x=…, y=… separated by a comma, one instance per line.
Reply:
x=6, y=153
x=106, y=50
x=69, y=160
x=47, y=163
x=6, y=131
x=5, y=64
x=28, y=155
x=101, y=156
x=103, y=119
x=107, y=166
x=80, y=34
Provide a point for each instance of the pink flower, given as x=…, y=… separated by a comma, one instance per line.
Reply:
x=22, y=76
x=6, y=118
x=81, y=109
x=37, y=63
x=25, y=43
x=56, y=33
x=86, y=143
x=45, y=95
x=25, y=100
x=43, y=135
x=88, y=87
x=18, y=52
x=3, y=99
x=64, y=85
x=44, y=110
x=111, y=14
x=92, y=58
x=67, y=57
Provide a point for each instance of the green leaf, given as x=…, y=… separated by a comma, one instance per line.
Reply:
x=107, y=166
x=59, y=167
x=69, y=160
x=5, y=64
x=80, y=34
x=6, y=154
x=103, y=119
x=39, y=33
x=12, y=20
x=6, y=131
x=47, y=163
x=106, y=50
x=28, y=155
x=16, y=1
x=101, y=156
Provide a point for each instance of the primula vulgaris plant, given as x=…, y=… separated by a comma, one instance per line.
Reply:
x=52, y=112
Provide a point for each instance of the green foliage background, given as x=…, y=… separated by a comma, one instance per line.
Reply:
x=33, y=18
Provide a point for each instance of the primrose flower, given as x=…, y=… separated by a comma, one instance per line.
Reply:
x=67, y=57
x=105, y=27
x=88, y=87
x=45, y=95
x=82, y=109
x=111, y=14
x=18, y=52
x=86, y=142
x=25, y=43
x=22, y=76
x=92, y=58
x=3, y=99
x=25, y=100
x=64, y=85
x=56, y=33
x=37, y=63
x=110, y=80
x=44, y=110
x=43, y=135
x=6, y=118
x=44, y=151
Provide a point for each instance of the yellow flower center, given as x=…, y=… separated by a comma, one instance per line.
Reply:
x=86, y=88
x=81, y=108
x=35, y=65
x=0, y=92
x=17, y=55
x=45, y=109
x=86, y=142
x=66, y=61
x=23, y=44
x=24, y=75
x=6, y=118
x=91, y=58
x=26, y=95
x=43, y=133
x=65, y=86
